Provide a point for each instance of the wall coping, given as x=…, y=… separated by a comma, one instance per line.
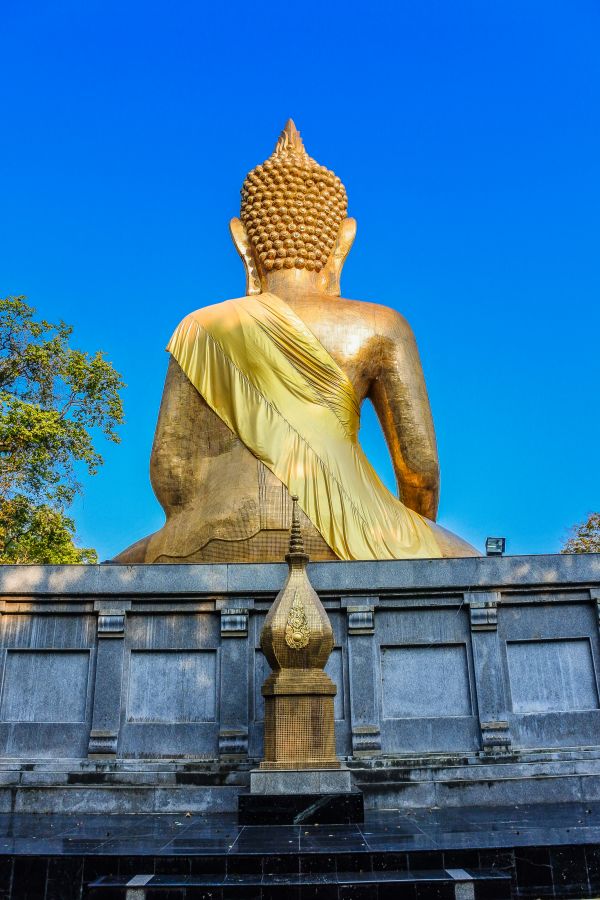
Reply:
x=398, y=576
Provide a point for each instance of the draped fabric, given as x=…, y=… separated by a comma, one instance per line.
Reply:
x=265, y=374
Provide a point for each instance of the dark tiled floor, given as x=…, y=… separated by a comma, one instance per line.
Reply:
x=550, y=851
x=410, y=831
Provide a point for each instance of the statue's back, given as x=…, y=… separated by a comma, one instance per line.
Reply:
x=222, y=503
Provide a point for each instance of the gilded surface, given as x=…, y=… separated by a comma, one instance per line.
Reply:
x=266, y=375
x=299, y=713
x=222, y=504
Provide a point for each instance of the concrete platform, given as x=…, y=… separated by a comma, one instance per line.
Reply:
x=459, y=682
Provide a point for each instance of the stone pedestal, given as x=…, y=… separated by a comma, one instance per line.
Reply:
x=300, y=779
x=309, y=781
x=297, y=639
x=307, y=797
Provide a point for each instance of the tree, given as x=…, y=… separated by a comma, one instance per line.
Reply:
x=54, y=401
x=585, y=537
x=38, y=534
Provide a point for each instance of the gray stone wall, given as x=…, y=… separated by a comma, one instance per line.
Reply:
x=476, y=656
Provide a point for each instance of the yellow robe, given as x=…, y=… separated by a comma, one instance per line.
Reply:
x=272, y=382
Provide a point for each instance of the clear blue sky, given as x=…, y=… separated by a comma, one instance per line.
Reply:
x=468, y=137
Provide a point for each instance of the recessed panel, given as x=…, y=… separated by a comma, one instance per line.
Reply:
x=172, y=686
x=334, y=668
x=45, y=686
x=424, y=682
x=551, y=676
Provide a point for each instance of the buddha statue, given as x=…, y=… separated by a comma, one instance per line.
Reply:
x=263, y=394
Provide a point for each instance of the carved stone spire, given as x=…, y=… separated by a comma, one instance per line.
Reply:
x=297, y=639
x=296, y=551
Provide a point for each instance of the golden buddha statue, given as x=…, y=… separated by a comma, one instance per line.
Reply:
x=262, y=398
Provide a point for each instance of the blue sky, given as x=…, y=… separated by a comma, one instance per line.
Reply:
x=468, y=137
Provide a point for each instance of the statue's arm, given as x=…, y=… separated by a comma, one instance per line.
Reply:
x=399, y=397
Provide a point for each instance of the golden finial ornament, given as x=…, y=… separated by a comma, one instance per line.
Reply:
x=297, y=639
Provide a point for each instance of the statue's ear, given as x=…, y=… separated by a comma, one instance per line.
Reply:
x=244, y=248
x=335, y=263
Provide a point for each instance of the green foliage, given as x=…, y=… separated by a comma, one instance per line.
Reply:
x=38, y=534
x=585, y=537
x=53, y=400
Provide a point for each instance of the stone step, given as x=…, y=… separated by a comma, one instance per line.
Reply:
x=301, y=809
x=409, y=762
x=112, y=797
x=444, y=884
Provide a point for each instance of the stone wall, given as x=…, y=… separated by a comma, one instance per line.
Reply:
x=491, y=659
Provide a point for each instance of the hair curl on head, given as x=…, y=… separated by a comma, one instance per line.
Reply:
x=292, y=207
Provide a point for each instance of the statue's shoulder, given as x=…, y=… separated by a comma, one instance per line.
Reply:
x=387, y=323
x=210, y=311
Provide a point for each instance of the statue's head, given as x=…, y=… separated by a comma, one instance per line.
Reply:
x=293, y=220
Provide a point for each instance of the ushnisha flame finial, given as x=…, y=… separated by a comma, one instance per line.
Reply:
x=289, y=141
